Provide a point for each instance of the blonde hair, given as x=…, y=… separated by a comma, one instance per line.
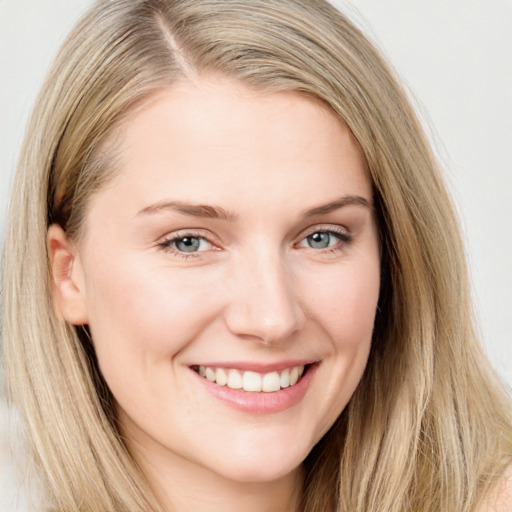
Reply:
x=429, y=427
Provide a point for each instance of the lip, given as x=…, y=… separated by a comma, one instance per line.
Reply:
x=260, y=403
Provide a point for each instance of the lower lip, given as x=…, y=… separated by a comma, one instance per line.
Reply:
x=254, y=402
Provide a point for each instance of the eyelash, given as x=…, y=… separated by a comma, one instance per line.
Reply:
x=344, y=237
x=166, y=244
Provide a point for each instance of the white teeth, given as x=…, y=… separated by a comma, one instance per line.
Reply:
x=271, y=382
x=234, y=379
x=285, y=378
x=221, y=377
x=252, y=381
x=294, y=375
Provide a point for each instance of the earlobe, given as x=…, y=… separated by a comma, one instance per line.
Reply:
x=67, y=278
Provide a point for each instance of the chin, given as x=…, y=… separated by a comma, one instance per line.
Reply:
x=259, y=465
x=250, y=473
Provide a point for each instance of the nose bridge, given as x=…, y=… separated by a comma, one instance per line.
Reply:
x=264, y=302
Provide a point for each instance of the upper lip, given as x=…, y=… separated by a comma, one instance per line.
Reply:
x=256, y=366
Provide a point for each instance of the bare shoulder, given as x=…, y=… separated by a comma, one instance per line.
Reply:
x=500, y=498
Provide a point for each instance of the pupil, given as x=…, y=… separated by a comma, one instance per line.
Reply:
x=318, y=240
x=188, y=244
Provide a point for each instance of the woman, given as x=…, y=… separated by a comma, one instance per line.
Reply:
x=243, y=275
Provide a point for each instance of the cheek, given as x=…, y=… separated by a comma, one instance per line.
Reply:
x=147, y=313
x=345, y=302
x=343, y=306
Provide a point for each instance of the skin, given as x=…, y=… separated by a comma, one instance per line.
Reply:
x=500, y=497
x=255, y=291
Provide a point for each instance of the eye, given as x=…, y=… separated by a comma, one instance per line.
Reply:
x=324, y=239
x=189, y=244
x=320, y=240
x=186, y=244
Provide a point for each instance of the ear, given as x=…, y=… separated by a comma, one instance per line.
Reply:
x=67, y=277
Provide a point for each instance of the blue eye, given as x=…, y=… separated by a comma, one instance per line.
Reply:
x=324, y=239
x=319, y=240
x=186, y=244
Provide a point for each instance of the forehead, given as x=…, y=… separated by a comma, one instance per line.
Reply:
x=219, y=141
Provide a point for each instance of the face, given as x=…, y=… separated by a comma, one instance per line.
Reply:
x=230, y=276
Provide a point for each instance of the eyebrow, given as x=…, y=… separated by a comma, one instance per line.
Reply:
x=217, y=212
x=337, y=204
x=195, y=210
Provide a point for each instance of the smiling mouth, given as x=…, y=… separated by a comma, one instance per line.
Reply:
x=252, y=381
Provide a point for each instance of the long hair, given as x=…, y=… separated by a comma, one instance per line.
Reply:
x=429, y=426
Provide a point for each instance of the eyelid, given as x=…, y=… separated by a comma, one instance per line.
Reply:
x=341, y=231
x=191, y=232
x=343, y=234
x=165, y=242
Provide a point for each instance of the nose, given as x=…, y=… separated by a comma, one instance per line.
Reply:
x=264, y=305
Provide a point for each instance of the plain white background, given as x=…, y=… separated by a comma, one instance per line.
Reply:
x=455, y=58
